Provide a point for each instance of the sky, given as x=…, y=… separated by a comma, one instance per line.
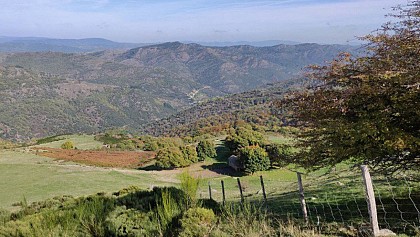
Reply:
x=150, y=21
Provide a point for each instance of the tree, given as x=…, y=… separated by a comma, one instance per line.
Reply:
x=254, y=158
x=189, y=153
x=67, y=145
x=280, y=154
x=366, y=109
x=242, y=137
x=205, y=149
x=171, y=157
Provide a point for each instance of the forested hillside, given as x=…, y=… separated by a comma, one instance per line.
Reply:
x=50, y=93
x=213, y=116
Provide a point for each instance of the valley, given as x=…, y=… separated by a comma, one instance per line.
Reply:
x=48, y=93
x=99, y=138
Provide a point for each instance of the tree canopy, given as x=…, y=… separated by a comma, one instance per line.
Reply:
x=205, y=149
x=254, y=158
x=366, y=109
x=242, y=137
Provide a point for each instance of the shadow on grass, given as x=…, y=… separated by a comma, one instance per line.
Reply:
x=222, y=153
x=326, y=206
x=151, y=167
x=224, y=169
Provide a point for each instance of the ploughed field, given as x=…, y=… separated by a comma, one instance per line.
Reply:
x=117, y=159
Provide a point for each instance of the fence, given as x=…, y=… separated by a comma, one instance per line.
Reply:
x=338, y=196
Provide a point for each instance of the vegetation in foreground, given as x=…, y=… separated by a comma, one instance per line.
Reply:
x=135, y=212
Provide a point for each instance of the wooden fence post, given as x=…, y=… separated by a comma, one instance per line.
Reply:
x=210, y=190
x=223, y=193
x=240, y=190
x=263, y=189
x=302, y=198
x=370, y=198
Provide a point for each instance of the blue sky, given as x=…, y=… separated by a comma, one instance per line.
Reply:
x=319, y=21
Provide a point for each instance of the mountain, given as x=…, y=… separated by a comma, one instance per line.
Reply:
x=38, y=44
x=264, y=43
x=45, y=93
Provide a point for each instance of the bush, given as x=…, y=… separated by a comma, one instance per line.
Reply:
x=169, y=209
x=92, y=213
x=189, y=153
x=130, y=222
x=67, y=145
x=205, y=149
x=254, y=158
x=197, y=222
x=4, y=216
x=171, y=157
x=189, y=185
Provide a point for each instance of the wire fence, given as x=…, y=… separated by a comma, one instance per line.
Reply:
x=337, y=196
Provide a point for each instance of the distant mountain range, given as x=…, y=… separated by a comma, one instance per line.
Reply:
x=38, y=44
x=46, y=93
x=265, y=43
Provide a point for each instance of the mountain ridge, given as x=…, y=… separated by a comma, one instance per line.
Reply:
x=91, y=92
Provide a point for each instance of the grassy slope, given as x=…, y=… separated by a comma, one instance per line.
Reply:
x=337, y=194
x=82, y=142
x=25, y=175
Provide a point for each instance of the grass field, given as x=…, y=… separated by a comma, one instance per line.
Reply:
x=25, y=175
x=338, y=194
x=82, y=142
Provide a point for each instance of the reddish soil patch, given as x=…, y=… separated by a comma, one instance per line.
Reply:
x=123, y=159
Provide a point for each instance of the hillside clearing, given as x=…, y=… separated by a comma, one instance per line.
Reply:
x=121, y=159
x=34, y=178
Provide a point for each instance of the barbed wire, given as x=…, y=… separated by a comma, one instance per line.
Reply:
x=339, y=197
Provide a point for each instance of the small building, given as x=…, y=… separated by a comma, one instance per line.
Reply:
x=235, y=163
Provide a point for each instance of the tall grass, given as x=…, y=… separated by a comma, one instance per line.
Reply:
x=168, y=211
x=246, y=220
x=189, y=185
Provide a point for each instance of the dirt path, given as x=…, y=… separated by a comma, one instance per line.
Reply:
x=171, y=176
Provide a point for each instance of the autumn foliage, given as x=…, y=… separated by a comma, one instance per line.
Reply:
x=366, y=109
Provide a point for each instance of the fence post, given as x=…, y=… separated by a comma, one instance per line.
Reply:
x=240, y=190
x=210, y=190
x=263, y=189
x=370, y=198
x=223, y=192
x=302, y=198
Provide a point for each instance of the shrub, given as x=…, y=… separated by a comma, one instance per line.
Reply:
x=171, y=157
x=169, y=209
x=205, y=149
x=189, y=185
x=130, y=222
x=151, y=146
x=4, y=216
x=189, y=153
x=254, y=158
x=92, y=213
x=197, y=222
x=67, y=145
